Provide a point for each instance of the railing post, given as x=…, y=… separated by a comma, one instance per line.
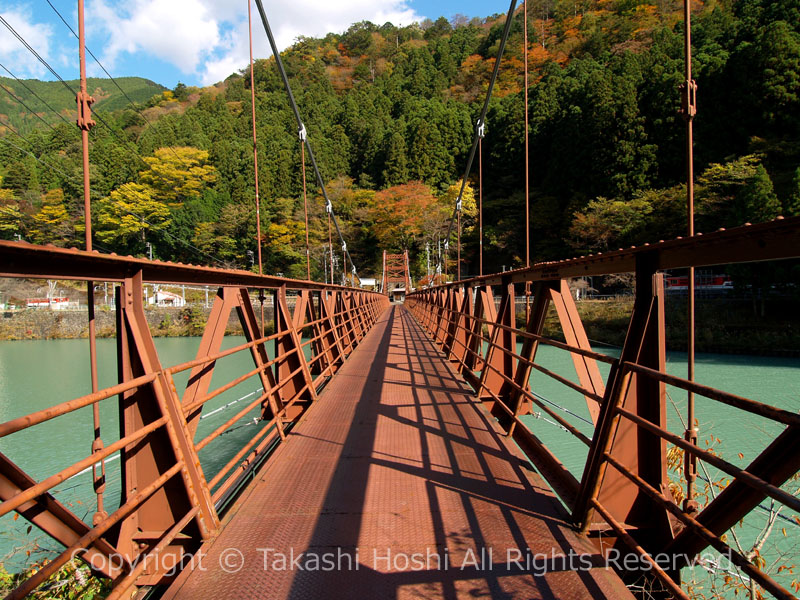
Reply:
x=272, y=405
x=147, y=460
x=499, y=361
x=536, y=316
x=642, y=452
x=294, y=366
x=575, y=335
x=452, y=319
x=213, y=334
x=334, y=350
x=442, y=306
x=461, y=325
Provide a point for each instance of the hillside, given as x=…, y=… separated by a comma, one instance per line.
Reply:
x=42, y=96
x=390, y=112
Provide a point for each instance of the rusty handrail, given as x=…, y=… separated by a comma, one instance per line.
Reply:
x=752, y=406
x=21, y=259
x=773, y=240
x=344, y=317
x=455, y=314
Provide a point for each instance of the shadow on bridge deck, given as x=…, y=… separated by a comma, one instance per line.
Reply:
x=397, y=485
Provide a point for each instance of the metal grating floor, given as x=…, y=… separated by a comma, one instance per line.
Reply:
x=396, y=485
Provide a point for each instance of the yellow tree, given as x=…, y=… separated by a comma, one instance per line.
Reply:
x=10, y=215
x=51, y=225
x=177, y=174
x=128, y=212
x=469, y=208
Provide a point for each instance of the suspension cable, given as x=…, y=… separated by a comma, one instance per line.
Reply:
x=527, y=171
x=689, y=109
x=39, y=98
x=36, y=54
x=255, y=140
x=330, y=244
x=301, y=129
x=305, y=204
x=527, y=162
x=480, y=205
x=22, y=40
x=72, y=91
x=480, y=122
x=29, y=109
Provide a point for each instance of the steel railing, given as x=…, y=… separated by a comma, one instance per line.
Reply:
x=167, y=503
x=625, y=469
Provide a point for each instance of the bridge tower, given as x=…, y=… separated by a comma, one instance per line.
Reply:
x=396, y=273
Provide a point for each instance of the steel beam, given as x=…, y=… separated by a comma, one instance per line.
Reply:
x=775, y=240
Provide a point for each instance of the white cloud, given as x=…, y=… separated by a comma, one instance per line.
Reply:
x=180, y=32
x=13, y=54
x=209, y=38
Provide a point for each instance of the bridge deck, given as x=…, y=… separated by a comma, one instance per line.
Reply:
x=399, y=475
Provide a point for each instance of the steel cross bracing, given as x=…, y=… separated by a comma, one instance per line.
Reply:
x=623, y=499
x=168, y=505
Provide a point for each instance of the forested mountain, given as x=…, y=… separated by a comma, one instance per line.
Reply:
x=390, y=113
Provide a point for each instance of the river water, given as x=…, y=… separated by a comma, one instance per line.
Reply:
x=49, y=447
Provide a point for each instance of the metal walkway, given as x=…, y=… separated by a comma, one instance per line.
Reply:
x=397, y=484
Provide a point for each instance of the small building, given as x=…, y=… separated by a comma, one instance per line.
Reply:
x=368, y=283
x=164, y=298
x=51, y=303
x=399, y=295
x=37, y=303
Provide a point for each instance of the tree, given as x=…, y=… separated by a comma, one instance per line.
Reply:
x=438, y=28
x=396, y=169
x=231, y=236
x=427, y=160
x=778, y=64
x=128, y=212
x=608, y=223
x=176, y=174
x=757, y=201
x=21, y=176
x=208, y=239
x=469, y=208
x=401, y=213
x=181, y=93
x=10, y=215
x=792, y=204
x=52, y=224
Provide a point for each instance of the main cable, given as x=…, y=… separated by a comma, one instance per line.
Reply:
x=114, y=81
x=23, y=84
x=22, y=40
x=480, y=125
x=71, y=89
x=304, y=135
x=22, y=102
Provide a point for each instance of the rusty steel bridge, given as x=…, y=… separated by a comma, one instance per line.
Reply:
x=395, y=431
x=390, y=456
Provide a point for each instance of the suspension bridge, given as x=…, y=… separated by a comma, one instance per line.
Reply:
x=390, y=456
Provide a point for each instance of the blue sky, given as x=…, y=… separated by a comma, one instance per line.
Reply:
x=198, y=42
